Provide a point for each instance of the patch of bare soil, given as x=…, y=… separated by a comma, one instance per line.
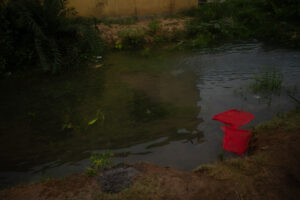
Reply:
x=271, y=171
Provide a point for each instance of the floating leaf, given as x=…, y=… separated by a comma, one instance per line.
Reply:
x=93, y=121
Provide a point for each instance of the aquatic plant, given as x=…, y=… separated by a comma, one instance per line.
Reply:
x=269, y=81
x=99, y=161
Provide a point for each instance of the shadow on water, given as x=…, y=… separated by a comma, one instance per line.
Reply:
x=141, y=108
x=130, y=101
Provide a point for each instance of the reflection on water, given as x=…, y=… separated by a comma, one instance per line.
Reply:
x=155, y=109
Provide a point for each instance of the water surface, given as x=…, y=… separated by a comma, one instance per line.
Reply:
x=156, y=109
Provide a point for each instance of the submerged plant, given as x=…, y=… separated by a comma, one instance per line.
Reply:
x=99, y=161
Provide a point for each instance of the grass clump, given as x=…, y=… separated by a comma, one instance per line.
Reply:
x=99, y=161
x=288, y=122
x=132, y=38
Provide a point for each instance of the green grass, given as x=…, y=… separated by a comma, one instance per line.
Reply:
x=99, y=161
x=288, y=122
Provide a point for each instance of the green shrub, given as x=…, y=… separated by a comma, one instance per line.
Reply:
x=45, y=33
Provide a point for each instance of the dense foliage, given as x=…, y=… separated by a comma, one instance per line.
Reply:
x=274, y=21
x=44, y=33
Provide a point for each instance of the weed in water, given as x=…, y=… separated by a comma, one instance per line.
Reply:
x=270, y=81
x=99, y=161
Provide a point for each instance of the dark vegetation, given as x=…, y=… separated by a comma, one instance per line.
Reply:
x=44, y=33
x=273, y=21
x=142, y=109
x=47, y=35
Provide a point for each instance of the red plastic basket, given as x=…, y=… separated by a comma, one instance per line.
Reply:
x=235, y=140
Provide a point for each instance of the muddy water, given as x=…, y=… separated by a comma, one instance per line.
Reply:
x=156, y=109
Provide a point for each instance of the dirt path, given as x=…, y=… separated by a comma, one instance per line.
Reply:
x=271, y=171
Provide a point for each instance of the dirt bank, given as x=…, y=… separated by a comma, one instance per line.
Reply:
x=150, y=29
x=271, y=171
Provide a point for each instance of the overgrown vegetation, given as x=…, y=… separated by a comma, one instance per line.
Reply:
x=44, y=33
x=131, y=39
x=272, y=21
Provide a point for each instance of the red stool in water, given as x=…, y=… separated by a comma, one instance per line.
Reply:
x=235, y=140
x=234, y=118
